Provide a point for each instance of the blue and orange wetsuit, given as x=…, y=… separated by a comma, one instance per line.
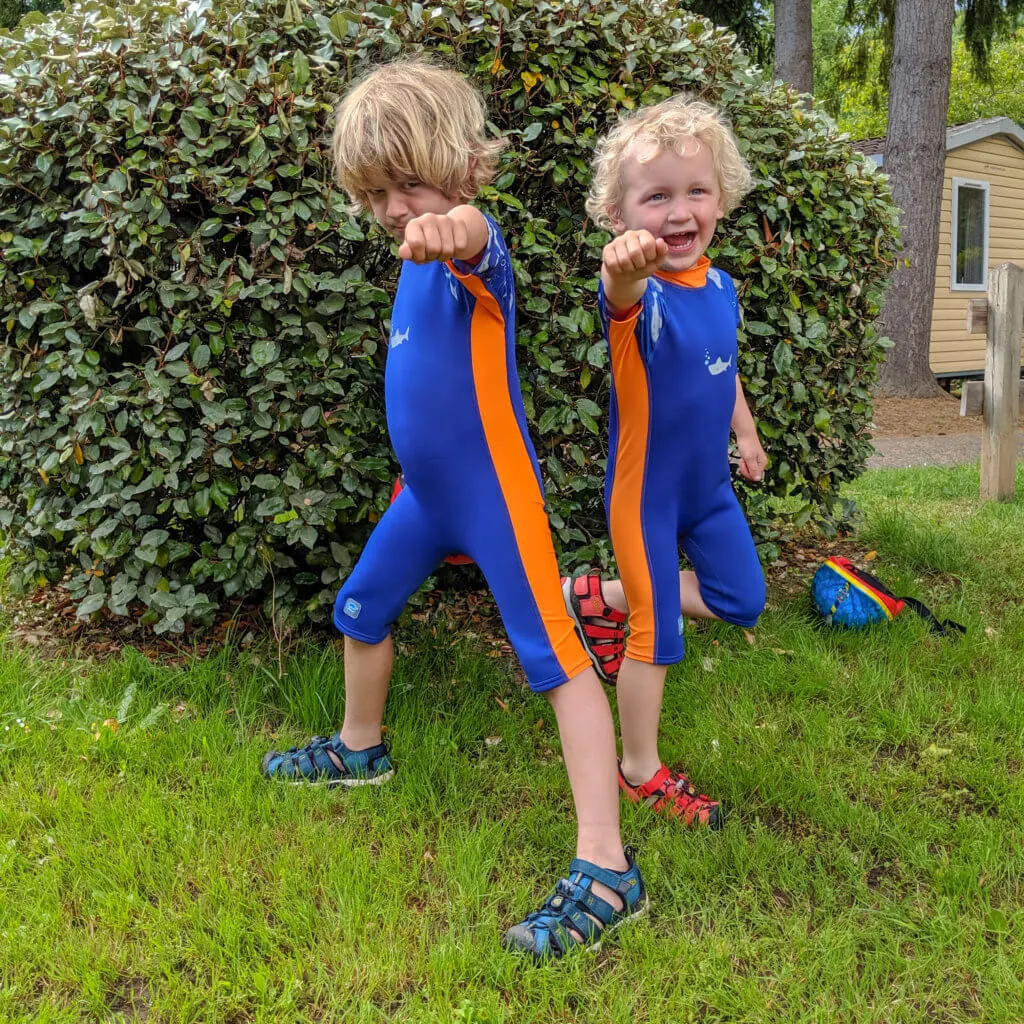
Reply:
x=472, y=483
x=668, y=481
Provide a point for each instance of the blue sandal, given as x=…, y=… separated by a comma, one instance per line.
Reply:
x=573, y=907
x=313, y=764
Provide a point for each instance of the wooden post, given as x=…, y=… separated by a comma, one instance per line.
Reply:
x=1002, y=376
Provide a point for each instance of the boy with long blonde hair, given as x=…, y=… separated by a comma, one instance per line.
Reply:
x=410, y=146
x=663, y=178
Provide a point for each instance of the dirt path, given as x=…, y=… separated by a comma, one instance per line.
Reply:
x=926, y=432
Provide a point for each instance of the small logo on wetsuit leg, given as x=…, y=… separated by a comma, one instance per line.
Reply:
x=398, y=337
x=352, y=608
x=682, y=622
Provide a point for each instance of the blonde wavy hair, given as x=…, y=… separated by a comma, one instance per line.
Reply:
x=668, y=125
x=413, y=119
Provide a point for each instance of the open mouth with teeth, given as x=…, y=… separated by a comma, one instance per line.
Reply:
x=681, y=243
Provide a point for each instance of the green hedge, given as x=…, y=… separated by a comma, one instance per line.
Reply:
x=193, y=328
x=12, y=11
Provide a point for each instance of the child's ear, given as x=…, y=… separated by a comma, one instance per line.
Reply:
x=615, y=216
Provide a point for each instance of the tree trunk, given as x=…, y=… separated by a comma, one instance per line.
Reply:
x=794, y=54
x=915, y=158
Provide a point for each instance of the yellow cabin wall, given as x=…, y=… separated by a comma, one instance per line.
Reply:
x=1001, y=163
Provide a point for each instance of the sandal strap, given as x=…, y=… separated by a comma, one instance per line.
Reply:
x=615, y=880
x=611, y=667
x=588, y=599
x=554, y=926
x=312, y=761
x=603, y=634
x=572, y=906
x=321, y=759
x=664, y=783
x=658, y=784
x=583, y=897
x=572, y=902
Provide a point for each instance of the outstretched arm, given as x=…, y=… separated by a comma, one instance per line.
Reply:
x=459, y=234
x=627, y=262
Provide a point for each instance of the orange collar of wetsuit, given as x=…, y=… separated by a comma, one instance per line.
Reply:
x=695, y=277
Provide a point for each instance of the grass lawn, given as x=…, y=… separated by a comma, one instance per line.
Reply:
x=870, y=870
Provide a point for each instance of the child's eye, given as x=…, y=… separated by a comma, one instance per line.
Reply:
x=411, y=184
x=656, y=197
x=699, y=191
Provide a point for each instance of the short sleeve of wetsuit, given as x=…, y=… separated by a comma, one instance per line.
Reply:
x=730, y=290
x=493, y=269
x=644, y=321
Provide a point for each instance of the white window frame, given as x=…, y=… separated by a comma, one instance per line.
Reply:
x=982, y=186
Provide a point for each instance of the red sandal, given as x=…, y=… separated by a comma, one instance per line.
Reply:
x=672, y=793
x=605, y=643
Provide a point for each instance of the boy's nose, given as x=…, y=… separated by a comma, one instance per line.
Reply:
x=396, y=206
x=680, y=213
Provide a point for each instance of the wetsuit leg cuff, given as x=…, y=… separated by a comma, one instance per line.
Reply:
x=362, y=637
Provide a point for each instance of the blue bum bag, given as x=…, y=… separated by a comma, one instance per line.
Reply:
x=847, y=597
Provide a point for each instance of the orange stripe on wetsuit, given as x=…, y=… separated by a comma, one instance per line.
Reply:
x=632, y=398
x=516, y=476
x=632, y=447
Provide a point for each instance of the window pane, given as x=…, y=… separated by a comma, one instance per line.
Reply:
x=970, y=235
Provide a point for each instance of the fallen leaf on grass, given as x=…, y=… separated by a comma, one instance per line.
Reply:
x=501, y=703
x=937, y=751
x=492, y=741
x=108, y=723
x=708, y=665
x=749, y=637
x=870, y=556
